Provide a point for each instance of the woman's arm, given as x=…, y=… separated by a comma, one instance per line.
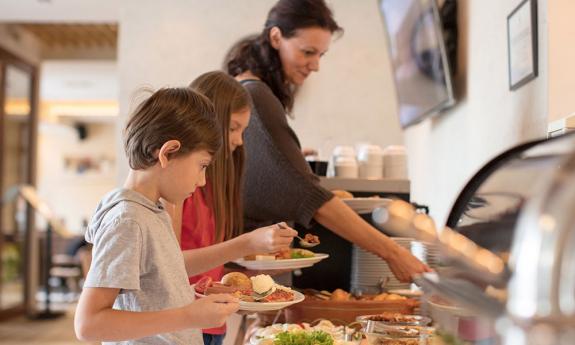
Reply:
x=95, y=320
x=268, y=239
x=342, y=220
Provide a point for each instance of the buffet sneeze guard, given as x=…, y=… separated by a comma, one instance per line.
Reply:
x=508, y=250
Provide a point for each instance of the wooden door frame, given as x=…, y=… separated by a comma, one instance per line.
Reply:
x=7, y=58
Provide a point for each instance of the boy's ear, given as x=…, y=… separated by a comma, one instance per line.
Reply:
x=169, y=147
x=275, y=37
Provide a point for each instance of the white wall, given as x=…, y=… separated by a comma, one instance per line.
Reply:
x=73, y=196
x=351, y=99
x=561, y=59
x=70, y=80
x=488, y=119
x=59, y=11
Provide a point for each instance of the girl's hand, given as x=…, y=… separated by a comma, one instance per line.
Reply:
x=211, y=311
x=270, y=239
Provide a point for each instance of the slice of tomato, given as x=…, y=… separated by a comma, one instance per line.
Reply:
x=203, y=284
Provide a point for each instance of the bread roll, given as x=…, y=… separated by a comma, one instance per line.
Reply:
x=342, y=194
x=237, y=280
x=340, y=295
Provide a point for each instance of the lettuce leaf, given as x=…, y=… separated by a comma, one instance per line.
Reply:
x=303, y=338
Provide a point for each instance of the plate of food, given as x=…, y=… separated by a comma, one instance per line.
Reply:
x=292, y=259
x=259, y=293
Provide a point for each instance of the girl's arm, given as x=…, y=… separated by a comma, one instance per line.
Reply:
x=268, y=239
x=95, y=320
x=342, y=220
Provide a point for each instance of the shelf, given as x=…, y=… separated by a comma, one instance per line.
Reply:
x=366, y=185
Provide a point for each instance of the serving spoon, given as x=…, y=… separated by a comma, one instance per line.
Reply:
x=305, y=243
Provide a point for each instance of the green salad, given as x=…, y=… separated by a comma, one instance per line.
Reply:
x=303, y=338
x=299, y=253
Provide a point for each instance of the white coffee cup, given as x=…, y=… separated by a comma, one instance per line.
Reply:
x=343, y=151
x=395, y=162
x=370, y=158
x=370, y=155
x=369, y=171
x=346, y=167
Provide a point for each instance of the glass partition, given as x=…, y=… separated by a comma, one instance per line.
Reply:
x=16, y=157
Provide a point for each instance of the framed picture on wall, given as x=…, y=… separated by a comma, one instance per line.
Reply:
x=522, y=43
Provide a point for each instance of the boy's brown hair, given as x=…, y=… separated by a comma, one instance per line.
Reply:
x=170, y=114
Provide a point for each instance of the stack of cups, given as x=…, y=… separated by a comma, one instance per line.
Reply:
x=395, y=163
x=344, y=162
x=370, y=159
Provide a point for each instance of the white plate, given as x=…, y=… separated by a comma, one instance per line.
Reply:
x=407, y=292
x=263, y=306
x=366, y=205
x=281, y=264
x=266, y=306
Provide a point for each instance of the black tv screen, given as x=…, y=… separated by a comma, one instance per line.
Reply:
x=420, y=65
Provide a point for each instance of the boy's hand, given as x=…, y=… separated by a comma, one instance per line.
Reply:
x=271, y=239
x=212, y=311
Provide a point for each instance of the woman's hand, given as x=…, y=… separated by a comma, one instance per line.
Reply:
x=270, y=239
x=404, y=265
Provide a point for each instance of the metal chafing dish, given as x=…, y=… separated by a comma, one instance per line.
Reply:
x=509, y=244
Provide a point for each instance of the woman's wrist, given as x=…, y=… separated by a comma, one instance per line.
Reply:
x=388, y=249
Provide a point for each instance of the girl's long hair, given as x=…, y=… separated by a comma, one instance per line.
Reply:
x=226, y=171
x=256, y=54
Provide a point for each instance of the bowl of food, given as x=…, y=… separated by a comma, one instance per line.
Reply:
x=318, y=332
x=397, y=329
x=399, y=335
x=394, y=319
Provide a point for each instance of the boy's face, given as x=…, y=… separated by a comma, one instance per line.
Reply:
x=183, y=174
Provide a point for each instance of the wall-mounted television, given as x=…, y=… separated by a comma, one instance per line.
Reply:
x=419, y=61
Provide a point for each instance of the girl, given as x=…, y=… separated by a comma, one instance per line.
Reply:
x=212, y=218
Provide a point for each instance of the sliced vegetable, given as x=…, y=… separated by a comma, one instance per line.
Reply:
x=303, y=338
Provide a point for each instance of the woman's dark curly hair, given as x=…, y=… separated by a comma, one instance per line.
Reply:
x=256, y=54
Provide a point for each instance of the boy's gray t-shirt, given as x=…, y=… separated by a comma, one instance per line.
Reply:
x=136, y=251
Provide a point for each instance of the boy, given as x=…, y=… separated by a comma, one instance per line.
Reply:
x=137, y=290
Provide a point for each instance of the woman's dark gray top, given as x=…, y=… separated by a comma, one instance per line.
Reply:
x=279, y=184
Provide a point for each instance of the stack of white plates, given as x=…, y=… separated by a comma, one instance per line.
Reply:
x=426, y=252
x=366, y=205
x=369, y=270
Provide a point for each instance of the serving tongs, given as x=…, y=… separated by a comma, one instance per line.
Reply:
x=467, y=258
x=472, y=267
x=463, y=293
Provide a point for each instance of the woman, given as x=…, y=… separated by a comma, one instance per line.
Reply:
x=279, y=183
x=210, y=221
